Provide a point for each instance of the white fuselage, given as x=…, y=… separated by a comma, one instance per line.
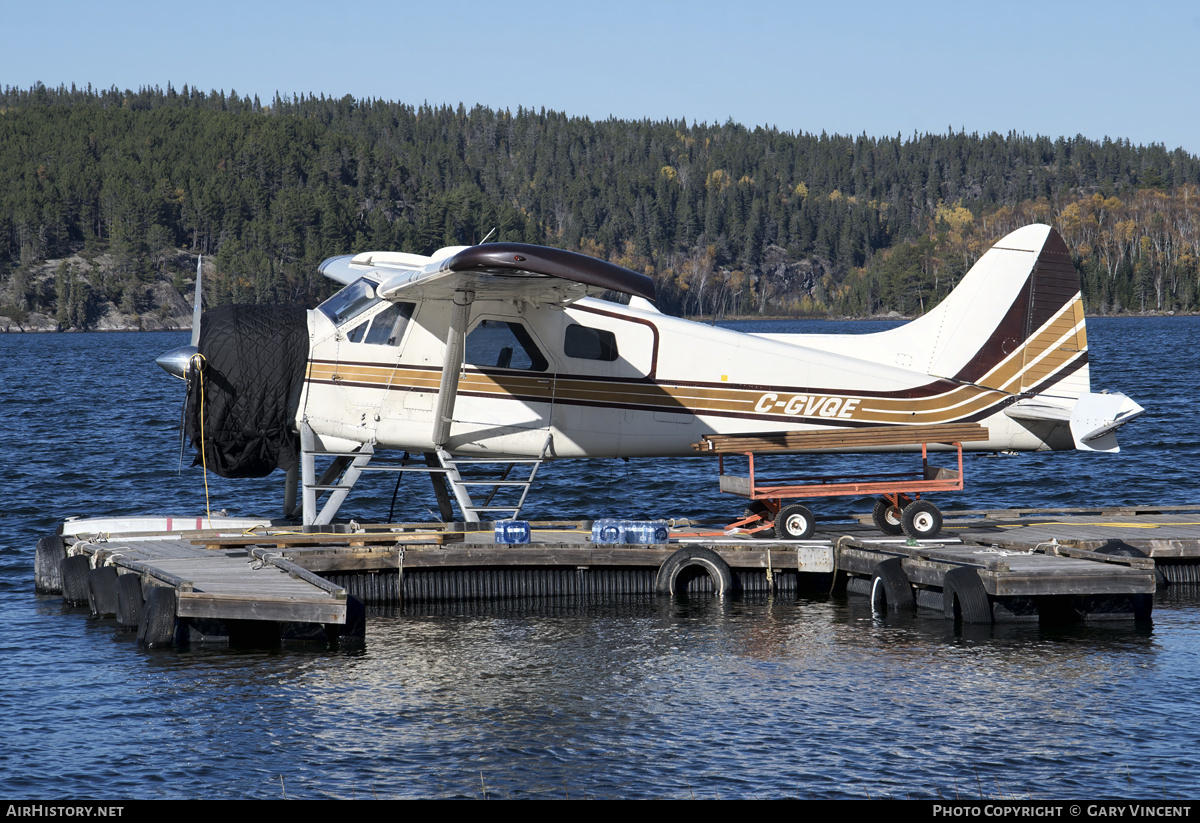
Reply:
x=606, y=380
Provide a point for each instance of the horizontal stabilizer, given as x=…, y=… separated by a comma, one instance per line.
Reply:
x=1096, y=418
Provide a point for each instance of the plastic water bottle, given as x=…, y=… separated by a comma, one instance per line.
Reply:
x=608, y=531
x=513, y=531
x=646, y=531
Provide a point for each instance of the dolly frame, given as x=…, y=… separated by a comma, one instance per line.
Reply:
x=894, y=487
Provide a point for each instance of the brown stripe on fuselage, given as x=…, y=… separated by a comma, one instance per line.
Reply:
x=1051, y=285
x=1054, y=344
x=950, y=403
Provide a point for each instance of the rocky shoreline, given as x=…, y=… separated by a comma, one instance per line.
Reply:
x=36, y=323
x=33, y=301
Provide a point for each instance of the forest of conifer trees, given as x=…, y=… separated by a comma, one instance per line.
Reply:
x=124, y=188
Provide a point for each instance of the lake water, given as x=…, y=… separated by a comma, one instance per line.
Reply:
x=633, y=697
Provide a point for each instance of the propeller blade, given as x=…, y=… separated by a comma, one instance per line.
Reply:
x=196, y=305
x=182, y=429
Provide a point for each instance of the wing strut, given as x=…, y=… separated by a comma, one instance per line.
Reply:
x=456, y=338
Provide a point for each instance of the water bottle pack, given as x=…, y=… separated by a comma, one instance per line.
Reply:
x=513, y=531
x=630, y=531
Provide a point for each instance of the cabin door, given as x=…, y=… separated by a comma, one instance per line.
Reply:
x=506, y=391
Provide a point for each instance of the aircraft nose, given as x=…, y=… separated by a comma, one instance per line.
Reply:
x=176, y=360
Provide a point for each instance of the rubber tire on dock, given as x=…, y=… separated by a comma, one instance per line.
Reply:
x=759, y=509
x=702, y=560
x=964, y=598
x=886, y=517
x=47, y=564
x=921, y=520
x=129, y=601
x=102, y=591
x=1118, y=549
x=75, y=579
x=890, y=590
x=794, y=522
x=157, y=626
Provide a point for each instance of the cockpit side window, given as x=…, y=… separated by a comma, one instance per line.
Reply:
x=387, y=329
x=500, y=344
x=350, y=302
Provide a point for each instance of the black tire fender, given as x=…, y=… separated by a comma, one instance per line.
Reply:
x=964, y=598
x=75, y=571
x=47, y=564
x=157, y=626
x=129, y=601
x=677, y=569
x=102, y=591
x=890, y=589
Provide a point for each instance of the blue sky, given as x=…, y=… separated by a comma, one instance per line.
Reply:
x=1129, y=70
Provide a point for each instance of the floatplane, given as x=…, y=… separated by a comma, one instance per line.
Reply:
x=506, y=353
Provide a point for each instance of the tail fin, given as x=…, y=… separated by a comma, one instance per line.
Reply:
x=1015, y=323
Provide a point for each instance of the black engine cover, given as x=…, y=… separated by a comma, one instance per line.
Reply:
x=254, y=361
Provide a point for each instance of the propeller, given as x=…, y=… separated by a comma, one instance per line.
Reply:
x=178, y=360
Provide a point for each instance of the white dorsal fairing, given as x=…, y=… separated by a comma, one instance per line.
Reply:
x=943, y=341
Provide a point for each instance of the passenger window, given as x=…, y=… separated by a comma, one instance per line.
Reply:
x=590, y=344
x=387, y=329
x=499, y=344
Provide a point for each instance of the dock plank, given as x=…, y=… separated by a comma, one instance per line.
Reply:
x=229, y=585
x=1004, y=573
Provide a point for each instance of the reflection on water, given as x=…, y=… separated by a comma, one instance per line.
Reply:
x=607, y=697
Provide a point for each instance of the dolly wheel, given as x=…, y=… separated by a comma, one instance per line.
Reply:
x=921, y=520
x=887, y=517
x=759, y=509
x=794, y=522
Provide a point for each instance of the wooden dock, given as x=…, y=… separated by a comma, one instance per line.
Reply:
x=126, y=578
x=986, y=566
x=1164, y=533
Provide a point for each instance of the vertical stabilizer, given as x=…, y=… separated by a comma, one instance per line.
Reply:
x=1015, y=323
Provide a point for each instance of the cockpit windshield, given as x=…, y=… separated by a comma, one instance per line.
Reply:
x=350, y=301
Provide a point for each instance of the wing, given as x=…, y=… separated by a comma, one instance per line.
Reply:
x=518, y=271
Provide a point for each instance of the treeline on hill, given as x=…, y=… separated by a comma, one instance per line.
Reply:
x=726, y=219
